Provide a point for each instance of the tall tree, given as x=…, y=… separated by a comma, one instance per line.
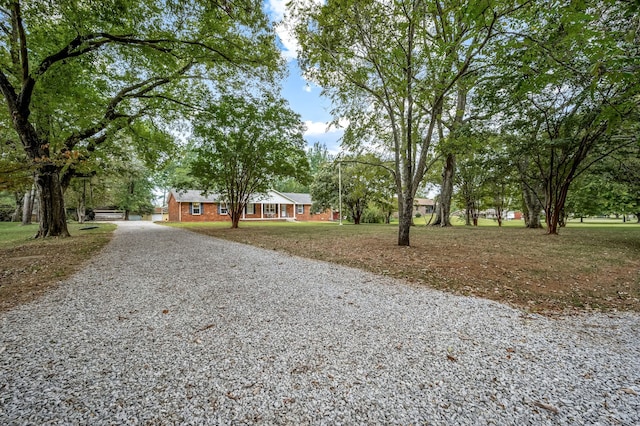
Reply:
x=365, y=180
x=390, y=67
x=244, y=144
x=75, y=73
x=570, y=78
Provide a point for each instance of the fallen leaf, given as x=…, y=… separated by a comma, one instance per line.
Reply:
x=452, y=358
x=547, y=407
x=629, y=391
x=165, y=311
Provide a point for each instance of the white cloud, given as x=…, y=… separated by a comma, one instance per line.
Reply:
x=278, y=12
x=322, y=127
x=306, y=88
x=284, y=26
x=317, y=128
x=278, y=8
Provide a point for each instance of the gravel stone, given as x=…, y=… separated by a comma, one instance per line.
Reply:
x=167, y=326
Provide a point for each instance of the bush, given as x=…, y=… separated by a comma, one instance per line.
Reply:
x=6, y=212
x=418, y=215
x=372, y=215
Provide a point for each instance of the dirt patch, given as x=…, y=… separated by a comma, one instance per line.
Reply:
x=581, y=270
x=30, y=269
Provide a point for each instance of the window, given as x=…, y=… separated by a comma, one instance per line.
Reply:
x=196, y=209
x=300, y=209
x=223, y=209
x=250, y=209
x=270, y=209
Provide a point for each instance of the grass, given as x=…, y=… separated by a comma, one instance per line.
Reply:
x=29, y=267
x=590, y=266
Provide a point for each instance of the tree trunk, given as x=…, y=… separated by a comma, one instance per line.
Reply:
x=405, y=219
x=554, y=207
x=81, y=209
x=27, y=206
x=17, y=213
x=533, y=208
x=53, y=221
x=468, y=214
x=446, y=192
x=235, y=221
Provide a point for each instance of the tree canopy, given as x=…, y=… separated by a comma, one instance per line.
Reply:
x=75, y=74
x=244, y=144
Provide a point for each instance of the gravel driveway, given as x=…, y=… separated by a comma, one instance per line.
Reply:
x=171, y=327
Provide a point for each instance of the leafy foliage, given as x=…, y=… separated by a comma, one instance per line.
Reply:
x=393, y=69
x=365, y=182
x=73, y=83
x=244, y=145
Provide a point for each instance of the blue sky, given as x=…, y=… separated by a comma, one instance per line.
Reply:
x=303, y=96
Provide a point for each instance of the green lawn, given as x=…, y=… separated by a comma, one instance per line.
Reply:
x=13, y=234
x=591, y=265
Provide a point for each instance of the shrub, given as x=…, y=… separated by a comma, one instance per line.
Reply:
x=372, y=215
x=6, y=212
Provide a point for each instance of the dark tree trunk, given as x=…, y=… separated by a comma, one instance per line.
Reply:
x=638, y=217
x=554, y=207
x=235, y=221
x=53, y=221
x=127, y=209
x=81, y=209
x=446, y=192
x=405, y=219
x=467, y=215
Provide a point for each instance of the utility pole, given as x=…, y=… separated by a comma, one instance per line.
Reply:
x=340, y=190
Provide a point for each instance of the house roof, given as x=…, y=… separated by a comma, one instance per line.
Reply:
x=423, y=202
x=194, y=196
x=271, y=197
x=298, y=198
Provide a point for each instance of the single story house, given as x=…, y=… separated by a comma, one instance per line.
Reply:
x=424, y=206
x=192, y=206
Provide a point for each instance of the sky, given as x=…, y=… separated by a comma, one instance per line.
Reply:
x=303, y=96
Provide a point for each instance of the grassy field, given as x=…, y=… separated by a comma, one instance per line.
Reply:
x=590, y=266
x=30, y=267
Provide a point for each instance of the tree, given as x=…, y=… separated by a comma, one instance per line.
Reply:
x=244, y=144
x=365, y=181
x=390, y=67
x=571, y=80
x=317, y=156
x=75, y=74
x=610, y=187
x=470, y=181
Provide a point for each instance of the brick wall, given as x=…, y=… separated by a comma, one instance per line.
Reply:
x=209, y=213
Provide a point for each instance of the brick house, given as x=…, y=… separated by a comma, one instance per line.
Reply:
x=192, y=206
